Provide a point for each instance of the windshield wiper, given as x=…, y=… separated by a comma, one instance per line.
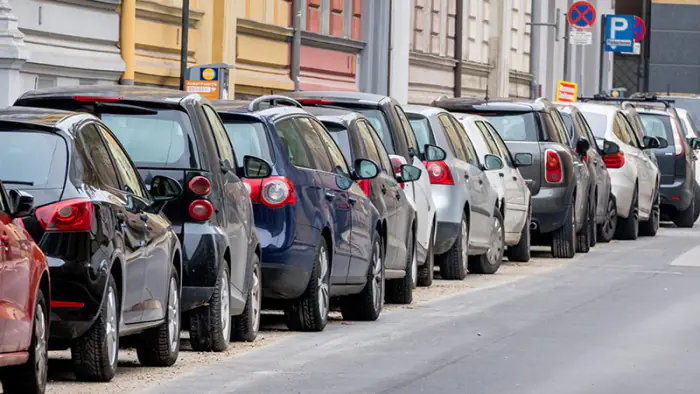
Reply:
x=24, y=183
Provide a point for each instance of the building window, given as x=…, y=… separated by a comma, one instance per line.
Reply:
x=44, y=82
x=339, y=18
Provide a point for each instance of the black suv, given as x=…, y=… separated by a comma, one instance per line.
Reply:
x=113, y=257
x=558, y=178
x=177, y=134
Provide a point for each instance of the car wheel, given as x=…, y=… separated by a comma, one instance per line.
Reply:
x=30, y=378
x=310, y=311
x=651, y=226
x=521, y=251
x=564, y=238
x=95, y=354
x=426, y=271
x=210, y=325
x=583, y=240
x=367, y=305
x=685, y=218
x=696, y=215
x=606, y=230
x=400, y=291
x=628, y=228
x=490, y=262
x=453, y=264
x=245, y=326
x=160, y=347
x=593, y=237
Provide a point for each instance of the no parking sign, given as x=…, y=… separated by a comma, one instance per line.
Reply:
x=581, y=15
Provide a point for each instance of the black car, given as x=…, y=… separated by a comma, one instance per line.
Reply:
x=114, y=260
x=357, y=139
x=177, y=134
x=558, y=178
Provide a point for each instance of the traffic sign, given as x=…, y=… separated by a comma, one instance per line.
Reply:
x=640, y=29
x=619, y=33
x=581, y=15
x=566, y=92
x=580, y=37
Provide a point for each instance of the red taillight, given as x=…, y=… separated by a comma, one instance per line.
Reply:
x=315, y=102
x=615, y=160
x=553, y=172
x=96, y=99
x=364, y=185
x=273, y=192
x=678, y=143
x=253, y=187
x=201, y=210
x=69, y=215
x=199, y=185
x=439, y=173
x=396, y=167
x=67, y=304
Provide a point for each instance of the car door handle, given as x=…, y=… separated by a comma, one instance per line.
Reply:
x=515, y=178
x=398, y=195
x=330, y=196
x=481, y=182
x=352, y=200
x=466, y=176
x=501, y=174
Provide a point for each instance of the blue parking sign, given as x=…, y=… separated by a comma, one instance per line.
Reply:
x=619, y=33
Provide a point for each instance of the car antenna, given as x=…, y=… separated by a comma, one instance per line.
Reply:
x=486, y=98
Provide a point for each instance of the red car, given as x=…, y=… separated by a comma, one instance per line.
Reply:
x=24, y=300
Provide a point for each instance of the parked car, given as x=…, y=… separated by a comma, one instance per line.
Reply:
x=693, y=136
x=321, y=236
x=113, y=257
x=179, y=135
x=470, y=231
x=603, y=212
x=512, y=190
x=390, y=121
x=634, y=176
x=357, y=139
x=558, y=179
x=25, y=294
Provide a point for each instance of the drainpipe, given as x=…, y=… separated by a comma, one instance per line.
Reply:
x=295, y=58
x=184, y=42
x=127, y=42
x=535, y=48
x=459, y=31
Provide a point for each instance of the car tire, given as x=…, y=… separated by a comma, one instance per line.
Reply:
x=94, y=355
x=210, y=325
x=583, y=237
x=564, y=238
x=31, y=377
x=310, y=311
x=594, y=231
x=246, y=326
x=685, y=218
x=606, y=230
x=454, y=263
x=367, y=306
x=427, y=270
x=651, y=226
x=160, y=346
x=489, y=262
x=400, y=291
x=696, y=215
x=628, y=228
x=520, y=252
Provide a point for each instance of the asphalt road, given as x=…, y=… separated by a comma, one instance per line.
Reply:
x=622, y=319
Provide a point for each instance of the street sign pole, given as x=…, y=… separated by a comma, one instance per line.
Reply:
x=567, y=32
x=602, y=53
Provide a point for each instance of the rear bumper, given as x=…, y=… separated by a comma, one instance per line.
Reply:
x=677, y=196
x=550, y=209
x=446, y=235
x=449, y=208
x=203, y=246
x=282, y=281
x=622, y=187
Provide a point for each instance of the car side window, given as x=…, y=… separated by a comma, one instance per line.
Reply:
x=222, y=141
x=621, y=130
x=486, y=135
x=368, y=143
x=453, y=137
x=588, y=133
x=411, y=141
x=297, y=151
x=636, y=142
x=124, y=166
x=338, y=162
x=505, y=153
x=562, y=135
x=381, y=150
x=97, y=169
x=310, y=138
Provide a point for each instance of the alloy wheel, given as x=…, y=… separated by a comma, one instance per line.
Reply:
x=414, y=267
x=465, y=245
x=611, y=220
x=225, y=307
x=111, y=334
x=323, y=293
x=377, y=277
x=495, y=252
x=41, y=352
x=173, y=315
x=257, y=297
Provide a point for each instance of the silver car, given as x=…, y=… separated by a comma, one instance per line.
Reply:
x=511, y=187
x=470, y=231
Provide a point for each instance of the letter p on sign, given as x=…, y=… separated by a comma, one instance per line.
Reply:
x=618, y=25
x=566, y=92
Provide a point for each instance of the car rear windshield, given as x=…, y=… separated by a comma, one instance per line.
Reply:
x=597, y=122
x=341, y=137
x=33, y=159
x=248, y=139
x=161, y=140
x=421, y=128
x=692, y=105
x=658, y=126
x=513, y=126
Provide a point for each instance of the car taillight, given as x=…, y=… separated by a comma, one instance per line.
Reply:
x=69, y=215
x=273, y=192
x=677, y=142
x=201, y=210
x=615, y=160
x=96, y=99
x=439, y=173
x=364, y=185
x=199, y=185
x=253, y=187
x=315, y=102
x=553, y=172
x=396, y=167
x=67, y=304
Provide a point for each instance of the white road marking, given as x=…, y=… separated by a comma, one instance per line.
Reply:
x=690, y=258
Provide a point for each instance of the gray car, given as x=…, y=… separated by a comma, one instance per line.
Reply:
x=558, y=179
x=470, y=231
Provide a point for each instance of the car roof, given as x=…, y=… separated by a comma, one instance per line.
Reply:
x=496, y=104
x=652, y=111
x=240, y=107
x=367, y=98
x=135, y=93
x=422, y=110
x=47, y=119
x=598, y=108
x=470, y=117
x=334, y=115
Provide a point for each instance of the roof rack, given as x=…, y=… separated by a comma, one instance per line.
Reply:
x=272, y=99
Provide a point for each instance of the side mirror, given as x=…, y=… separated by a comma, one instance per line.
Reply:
x=610, y=148
x=434, y=153
x=523, y=159
x=165, y=189
x=694, y=143
x=409, y=173
x=365, y=169
x=663, y=143
x=493, y=162
x=651, y=142
x=582, y=146
x=22, y=203
x=255, y=168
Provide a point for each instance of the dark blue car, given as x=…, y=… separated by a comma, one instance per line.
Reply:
x=318, y=230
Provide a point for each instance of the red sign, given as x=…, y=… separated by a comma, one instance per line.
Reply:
x=581, y=15
x=640, y=29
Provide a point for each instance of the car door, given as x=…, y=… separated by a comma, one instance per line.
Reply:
x=335, y=199
x=563, y=145
x=640, y=160
x=602, y=176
